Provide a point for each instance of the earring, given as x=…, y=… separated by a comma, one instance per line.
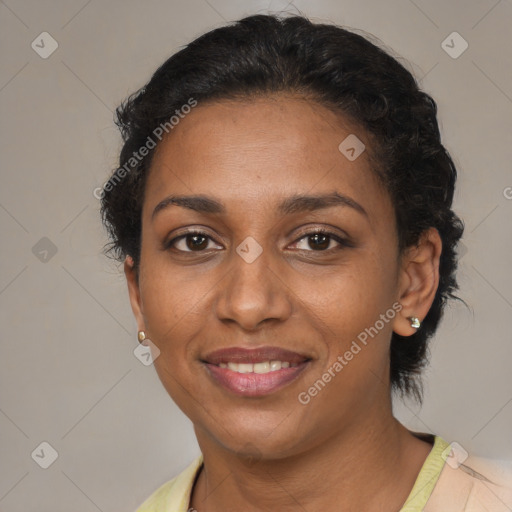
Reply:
x=415, y=322
x=141, y=336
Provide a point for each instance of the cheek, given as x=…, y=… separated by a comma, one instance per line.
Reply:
x=170, y=300
x=356, y=316
x=353, y=297
x=173, y=318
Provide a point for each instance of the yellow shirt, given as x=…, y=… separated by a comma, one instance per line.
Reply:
x=444, y=484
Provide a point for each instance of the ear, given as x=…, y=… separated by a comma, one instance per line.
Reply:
x=132, y=280
x=419, y=280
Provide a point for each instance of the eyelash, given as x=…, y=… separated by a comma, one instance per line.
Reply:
x=343, y=242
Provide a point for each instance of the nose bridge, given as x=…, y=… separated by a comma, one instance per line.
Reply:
x=252, y=291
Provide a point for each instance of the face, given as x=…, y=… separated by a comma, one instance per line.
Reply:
x=271, y=275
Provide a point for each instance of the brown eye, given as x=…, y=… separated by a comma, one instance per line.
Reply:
x=318, y=241
x=194, y=241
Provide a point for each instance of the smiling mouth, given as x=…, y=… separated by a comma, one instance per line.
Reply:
x=261, y=368
x=254, y=372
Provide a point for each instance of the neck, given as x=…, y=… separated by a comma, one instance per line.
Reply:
x=380, y=457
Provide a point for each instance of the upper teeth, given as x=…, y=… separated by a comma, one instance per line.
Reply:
x=265, y=367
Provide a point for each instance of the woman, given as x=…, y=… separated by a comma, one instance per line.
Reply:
x=283, y=211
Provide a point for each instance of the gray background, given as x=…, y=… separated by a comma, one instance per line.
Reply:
x=68, y=373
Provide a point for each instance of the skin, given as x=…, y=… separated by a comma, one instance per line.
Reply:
x=344, y=449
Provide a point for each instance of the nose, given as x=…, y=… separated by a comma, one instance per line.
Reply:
x=254, y=291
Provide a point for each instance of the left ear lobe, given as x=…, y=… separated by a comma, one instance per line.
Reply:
x=132, y=280
x=419, y=280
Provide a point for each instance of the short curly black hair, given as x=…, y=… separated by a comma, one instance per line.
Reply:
x=344, y=71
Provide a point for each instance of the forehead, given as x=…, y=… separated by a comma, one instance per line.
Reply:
x=262, y=150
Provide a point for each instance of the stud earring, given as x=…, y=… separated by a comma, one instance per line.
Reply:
x=141, y=336
x=415, y=322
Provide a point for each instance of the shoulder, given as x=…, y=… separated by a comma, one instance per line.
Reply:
x=157, y=499
x=471, y=483
x=175, y=494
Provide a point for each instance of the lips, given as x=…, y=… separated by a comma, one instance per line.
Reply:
x=255, y=355
x=254, y=372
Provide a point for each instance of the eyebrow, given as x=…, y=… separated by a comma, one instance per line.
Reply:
x=293, y=204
